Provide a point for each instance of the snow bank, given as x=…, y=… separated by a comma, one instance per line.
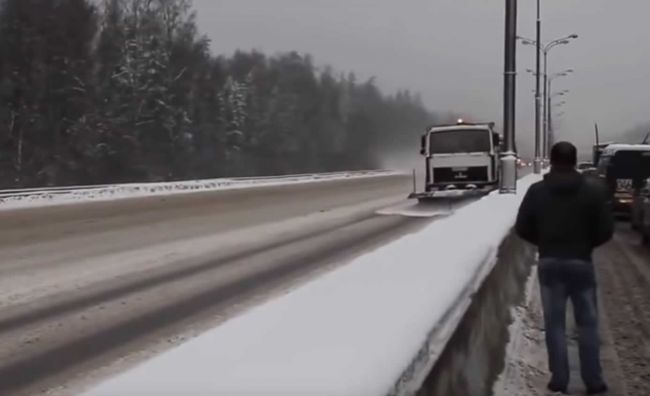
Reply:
x=356, y=331
x=11, y=199
x=525, y=353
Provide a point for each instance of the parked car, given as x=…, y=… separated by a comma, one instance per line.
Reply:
x=583, y=166
x=587, y=168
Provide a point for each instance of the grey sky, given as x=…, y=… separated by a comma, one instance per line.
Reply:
x=451, y=51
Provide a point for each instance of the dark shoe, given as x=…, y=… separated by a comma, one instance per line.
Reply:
x=553, y=387
x=596, y=390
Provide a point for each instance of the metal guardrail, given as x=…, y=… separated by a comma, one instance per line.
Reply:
x=22, y=191
x=11, y=193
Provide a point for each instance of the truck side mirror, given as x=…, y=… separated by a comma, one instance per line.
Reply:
x=423, y=145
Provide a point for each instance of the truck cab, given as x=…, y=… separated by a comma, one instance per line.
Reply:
x=598, y=151
x=463, y=156
x=624, y=168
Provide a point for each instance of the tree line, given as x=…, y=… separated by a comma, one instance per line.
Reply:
x=128, y=91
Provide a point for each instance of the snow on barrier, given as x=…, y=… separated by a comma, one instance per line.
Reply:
x=11, y=199
x=373, y=327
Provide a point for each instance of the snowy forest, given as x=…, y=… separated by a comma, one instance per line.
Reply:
x=128, y=91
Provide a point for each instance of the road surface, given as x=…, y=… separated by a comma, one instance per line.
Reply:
x=623, y=270
x=624, y=276
x=88, y=290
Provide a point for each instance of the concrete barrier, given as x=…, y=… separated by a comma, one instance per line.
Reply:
x=473, y=358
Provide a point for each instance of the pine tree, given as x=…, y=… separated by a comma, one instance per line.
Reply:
x=127, y=90
x=46, y=47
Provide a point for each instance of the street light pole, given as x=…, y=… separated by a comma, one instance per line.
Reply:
x=545, y=130
x=545, y=50
x=549, y=138
x=508, y=180
x=549, y=126
x=538, y=99
x=547, y=90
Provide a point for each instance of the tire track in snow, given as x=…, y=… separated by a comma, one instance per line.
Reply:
x=69, y=354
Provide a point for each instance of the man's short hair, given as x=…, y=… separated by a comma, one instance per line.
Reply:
x=564, y=154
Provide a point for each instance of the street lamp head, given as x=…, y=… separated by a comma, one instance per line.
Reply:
x=564, y=42
x=525, y=40
x=573, y=36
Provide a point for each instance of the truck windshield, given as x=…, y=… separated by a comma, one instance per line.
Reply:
x=631, y=164
x=460, y=141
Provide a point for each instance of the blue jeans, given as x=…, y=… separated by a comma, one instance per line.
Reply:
x=575, y=279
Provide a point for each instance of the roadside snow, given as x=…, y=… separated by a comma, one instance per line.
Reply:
x=523, y=374
x=58, y=196
x=356, y=331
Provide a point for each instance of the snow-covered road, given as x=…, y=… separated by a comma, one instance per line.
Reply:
x=373, y=327
x=90, y=288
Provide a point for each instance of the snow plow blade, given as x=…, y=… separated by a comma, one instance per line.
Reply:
x=449, y=195
x=419, y=209
x=435, y=203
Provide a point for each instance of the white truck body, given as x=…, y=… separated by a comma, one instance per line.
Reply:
x=460, y=160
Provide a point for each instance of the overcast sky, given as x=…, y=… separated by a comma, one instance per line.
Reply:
x=451, y=51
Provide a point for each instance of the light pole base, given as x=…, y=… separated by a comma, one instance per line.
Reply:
x=537, y=166
x=508, y=182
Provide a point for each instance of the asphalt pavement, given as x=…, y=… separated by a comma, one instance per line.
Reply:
x=623, y=273
x=89, y=290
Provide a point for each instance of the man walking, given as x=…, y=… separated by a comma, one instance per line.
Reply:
x=566, y=216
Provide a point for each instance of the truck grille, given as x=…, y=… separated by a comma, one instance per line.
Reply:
x=475, y=174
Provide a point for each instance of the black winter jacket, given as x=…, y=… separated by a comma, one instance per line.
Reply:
x=566, y=215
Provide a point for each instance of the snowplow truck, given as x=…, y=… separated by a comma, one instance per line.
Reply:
x=461, y=160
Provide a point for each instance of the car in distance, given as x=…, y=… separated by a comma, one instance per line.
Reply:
x=585, y=166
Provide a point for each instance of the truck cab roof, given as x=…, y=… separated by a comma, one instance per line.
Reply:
x=452, y=127
x=614, y=148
